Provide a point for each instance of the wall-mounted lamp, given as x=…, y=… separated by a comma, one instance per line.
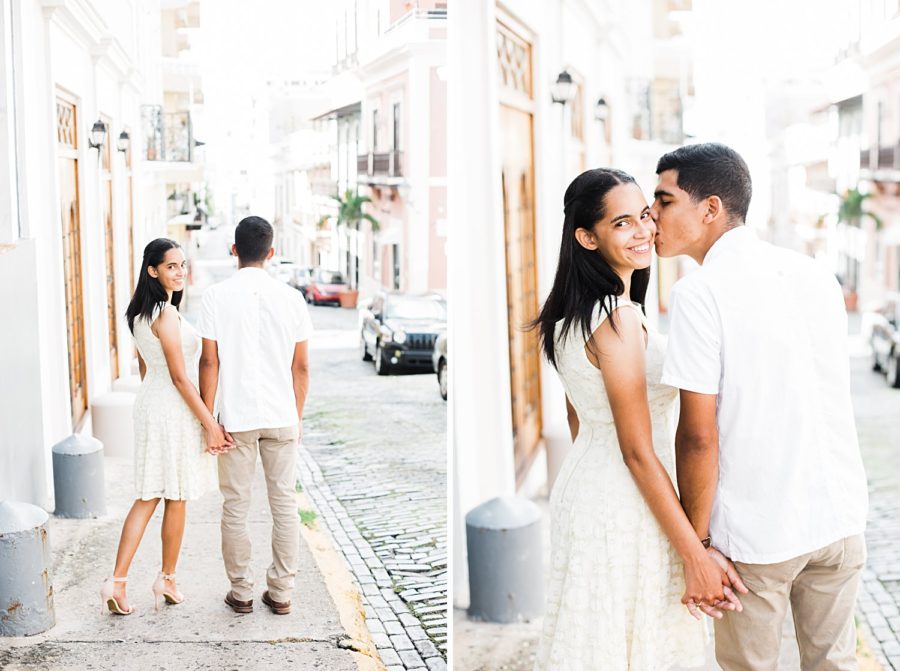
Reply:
x=563, y=91
x=123, y=142
x=601, y=110
x=98, y=135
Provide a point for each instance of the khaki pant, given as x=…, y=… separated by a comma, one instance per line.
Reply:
x=821, y=588
x=278, y=453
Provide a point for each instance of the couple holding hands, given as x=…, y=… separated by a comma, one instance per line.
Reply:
x=246, y=366
x=757, y=501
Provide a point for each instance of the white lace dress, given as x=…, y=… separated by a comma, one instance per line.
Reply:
x=169, y=457
x=614, y=596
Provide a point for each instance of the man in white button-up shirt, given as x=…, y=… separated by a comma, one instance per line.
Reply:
x=768, y=462
x=255, y=366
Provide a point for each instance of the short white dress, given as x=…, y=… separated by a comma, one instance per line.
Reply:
x=614, y=596
x=169, y=457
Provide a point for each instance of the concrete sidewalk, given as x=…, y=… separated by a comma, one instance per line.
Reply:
x=202, y=632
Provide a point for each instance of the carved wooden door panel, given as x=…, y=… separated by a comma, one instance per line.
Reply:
x=517, y=152
x=67, y=162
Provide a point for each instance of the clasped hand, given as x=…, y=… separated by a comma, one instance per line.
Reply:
x=710, y=584
x=218, y=440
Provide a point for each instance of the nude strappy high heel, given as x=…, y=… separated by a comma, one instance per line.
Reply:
x=160, y=591
x=108, y=600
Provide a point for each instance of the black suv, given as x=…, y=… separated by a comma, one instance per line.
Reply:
x=398, y=330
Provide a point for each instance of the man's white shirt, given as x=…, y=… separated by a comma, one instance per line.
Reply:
x=765, y=329
x=256, y=322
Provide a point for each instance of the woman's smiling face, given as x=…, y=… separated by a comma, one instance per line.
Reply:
x=171, y=271
x=625, y=234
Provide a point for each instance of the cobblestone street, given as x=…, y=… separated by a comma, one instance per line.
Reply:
x=877, y=409
x=374, y=462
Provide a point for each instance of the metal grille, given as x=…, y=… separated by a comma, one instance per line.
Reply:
x=514, y=57
x=420, y=341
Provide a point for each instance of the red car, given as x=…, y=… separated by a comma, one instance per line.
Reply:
x=325, y=287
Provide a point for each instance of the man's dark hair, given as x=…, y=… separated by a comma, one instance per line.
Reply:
x=253, y=239
x=712, y=169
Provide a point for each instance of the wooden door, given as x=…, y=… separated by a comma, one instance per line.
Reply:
x=67, y=163
x=517, y=180
x=106, y=214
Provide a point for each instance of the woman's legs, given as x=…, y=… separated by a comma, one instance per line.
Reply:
x=172, y=534
x=132, y=532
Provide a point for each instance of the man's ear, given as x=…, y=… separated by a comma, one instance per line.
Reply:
x=271, y=253
x=586, y=239
x=234, y=250
x=714, y=208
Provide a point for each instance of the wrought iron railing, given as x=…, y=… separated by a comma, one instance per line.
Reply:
x=168, y=136
x=387, y=164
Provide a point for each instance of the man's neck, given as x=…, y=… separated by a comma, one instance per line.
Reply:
x=258, y=266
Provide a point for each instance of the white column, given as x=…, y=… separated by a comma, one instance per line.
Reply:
x=480, y=414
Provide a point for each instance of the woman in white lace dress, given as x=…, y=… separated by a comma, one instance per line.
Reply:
x=172, y=461
x=625, y=560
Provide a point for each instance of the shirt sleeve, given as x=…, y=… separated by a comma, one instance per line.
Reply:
x=693, y=360
x=206, y=322
x=303, y=329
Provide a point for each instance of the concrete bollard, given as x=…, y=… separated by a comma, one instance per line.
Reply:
x=26, y=587
x=128, y=383
x=78, y=477
x=503, y=538
x=111, y=415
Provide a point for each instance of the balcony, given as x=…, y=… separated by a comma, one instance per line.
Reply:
x=882, y=164
x=383, y=168
x=168, y=136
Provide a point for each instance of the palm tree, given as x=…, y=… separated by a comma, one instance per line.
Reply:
x=350, y=210
x=350, y=213
x=851, y=209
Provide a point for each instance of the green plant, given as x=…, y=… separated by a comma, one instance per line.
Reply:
x=350, y=210
x=307, y=517
x=322, y=223
x=851, y=209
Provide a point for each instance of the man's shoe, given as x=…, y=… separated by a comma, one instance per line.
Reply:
x=277, y=607
x=239, y=606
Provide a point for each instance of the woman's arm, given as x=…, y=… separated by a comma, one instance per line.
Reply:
x=168, y=330
x=621, y=357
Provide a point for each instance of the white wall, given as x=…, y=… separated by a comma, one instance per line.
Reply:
x=82, y=54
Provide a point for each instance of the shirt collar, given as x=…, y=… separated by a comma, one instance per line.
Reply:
x=732, y=239
x=251, y=272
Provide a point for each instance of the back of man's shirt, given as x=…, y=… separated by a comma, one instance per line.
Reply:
x=256, y=322
x=765, y=329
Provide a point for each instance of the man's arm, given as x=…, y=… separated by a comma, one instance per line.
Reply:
x=300, y=375
x=209, y=372
x=697, y=457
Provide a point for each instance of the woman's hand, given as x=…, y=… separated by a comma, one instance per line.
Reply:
x=217, y=440
x=709, y=578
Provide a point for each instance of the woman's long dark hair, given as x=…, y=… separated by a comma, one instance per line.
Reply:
x=149, y=293
x=583, y=277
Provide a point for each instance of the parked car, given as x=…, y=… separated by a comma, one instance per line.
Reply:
x=439, y=361
x=325, y=287
x=301, y=278
x=885, y=340
x=283, y=270
x=399, y=330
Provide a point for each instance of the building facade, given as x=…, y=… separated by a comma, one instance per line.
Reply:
x=539, y=92
x=74, y=217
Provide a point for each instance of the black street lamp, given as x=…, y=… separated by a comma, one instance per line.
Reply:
x=98, y=135
x=563, y=91
x=601, y=110
x=123, y=142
